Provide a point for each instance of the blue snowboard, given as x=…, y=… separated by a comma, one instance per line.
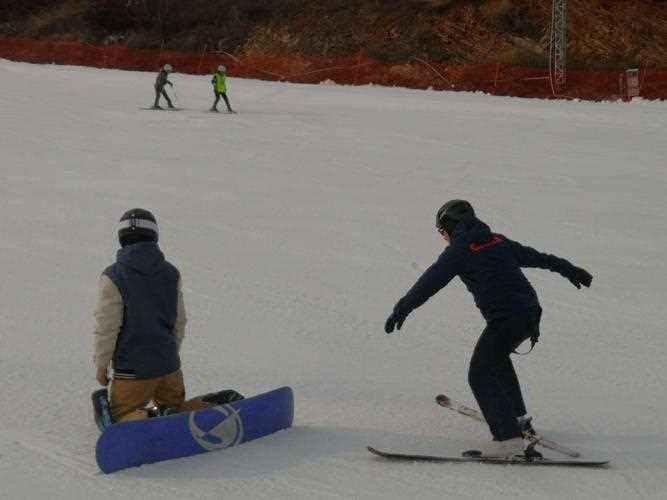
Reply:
x=131, y=444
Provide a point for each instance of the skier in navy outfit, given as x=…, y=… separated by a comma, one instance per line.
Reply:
x=489, y=265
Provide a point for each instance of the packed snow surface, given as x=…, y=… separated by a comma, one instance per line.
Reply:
x=297, y=224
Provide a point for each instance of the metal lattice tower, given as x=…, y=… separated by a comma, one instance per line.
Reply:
x=559, y=44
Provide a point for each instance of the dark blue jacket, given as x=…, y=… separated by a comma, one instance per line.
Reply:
x=146, y=346
x=489, y=265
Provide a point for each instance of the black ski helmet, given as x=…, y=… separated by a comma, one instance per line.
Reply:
x=451, y=213
x=137, y=225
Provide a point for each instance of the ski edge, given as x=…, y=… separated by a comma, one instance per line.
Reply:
x=487, y=460
x=447, y=402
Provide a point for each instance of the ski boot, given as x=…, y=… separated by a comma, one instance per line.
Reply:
x=526, y=425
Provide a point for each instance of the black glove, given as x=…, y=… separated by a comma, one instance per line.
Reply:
x=170, y=84
x=394, y=321
x=579, y=276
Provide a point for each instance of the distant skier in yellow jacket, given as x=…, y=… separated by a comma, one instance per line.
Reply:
x=220, y=88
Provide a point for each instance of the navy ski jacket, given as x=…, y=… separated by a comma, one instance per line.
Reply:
x=489, y=265
x=146, y=346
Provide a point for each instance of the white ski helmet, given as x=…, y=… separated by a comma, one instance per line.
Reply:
x=168, y=68
x=222, y=69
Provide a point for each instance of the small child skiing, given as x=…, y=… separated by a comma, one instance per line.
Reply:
x=219, y=82
x=161, y=81
x=489, y=265
x=140, y=324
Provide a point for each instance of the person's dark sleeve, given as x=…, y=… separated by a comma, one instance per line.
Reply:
x=529, y=257
x=434, y=279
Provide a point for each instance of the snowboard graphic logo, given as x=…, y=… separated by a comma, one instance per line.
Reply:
x=225, y=430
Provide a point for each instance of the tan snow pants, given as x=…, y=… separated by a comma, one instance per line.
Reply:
x=130, y=397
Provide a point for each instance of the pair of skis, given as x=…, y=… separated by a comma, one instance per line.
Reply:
x=181, y=109
x=160, y=108
x=534, y=438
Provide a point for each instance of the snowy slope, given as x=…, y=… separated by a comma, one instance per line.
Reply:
x=297, y=224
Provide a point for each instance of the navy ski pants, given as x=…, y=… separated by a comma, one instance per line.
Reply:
x=492, y=377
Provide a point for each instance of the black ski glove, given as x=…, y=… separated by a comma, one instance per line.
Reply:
x=579, y=276
x=394, y=321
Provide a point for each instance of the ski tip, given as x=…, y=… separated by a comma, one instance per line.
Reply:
x=375, y=451
x=442, y=399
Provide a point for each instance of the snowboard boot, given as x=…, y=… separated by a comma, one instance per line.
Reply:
x=163, y=410
x=151, y=410
x=509, y=448
x=222, y=397
x=101, y=409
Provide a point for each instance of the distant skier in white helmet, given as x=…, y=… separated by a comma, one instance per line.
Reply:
x=219, y=82
x=160, y=82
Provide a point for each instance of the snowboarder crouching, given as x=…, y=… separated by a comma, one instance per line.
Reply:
x=140, y=325
x=489, y=265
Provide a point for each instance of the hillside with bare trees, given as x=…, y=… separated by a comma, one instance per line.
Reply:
x=602, y=34
x=498, y=46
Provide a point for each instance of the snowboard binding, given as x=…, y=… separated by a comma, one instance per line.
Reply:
x=222, y=397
